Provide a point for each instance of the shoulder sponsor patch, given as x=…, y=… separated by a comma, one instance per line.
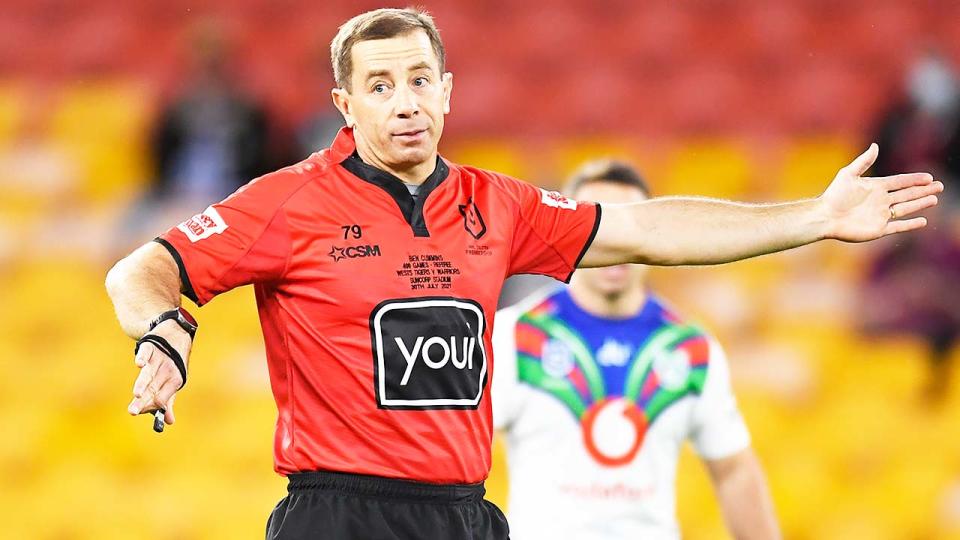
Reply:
x=203, y=225
x=556, y=200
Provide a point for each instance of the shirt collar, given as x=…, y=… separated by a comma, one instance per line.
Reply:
x=344, y=151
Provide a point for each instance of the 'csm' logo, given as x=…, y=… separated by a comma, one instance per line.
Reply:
x=428, y=353
x=353, y=252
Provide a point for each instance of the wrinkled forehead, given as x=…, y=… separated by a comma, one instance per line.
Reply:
x=394, y=55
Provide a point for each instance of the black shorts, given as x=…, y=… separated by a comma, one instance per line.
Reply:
x=341, y=506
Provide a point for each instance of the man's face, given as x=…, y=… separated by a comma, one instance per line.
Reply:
x=397, y=100
x=610, y=280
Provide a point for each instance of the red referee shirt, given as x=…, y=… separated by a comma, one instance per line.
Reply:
x=377, y=307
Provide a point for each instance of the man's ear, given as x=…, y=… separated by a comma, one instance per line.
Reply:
x=447, y=91
x=341, y=100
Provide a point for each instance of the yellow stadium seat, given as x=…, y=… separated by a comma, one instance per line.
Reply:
x=105, y=124
x=810, y=164
x=11, y=107
x=494, y=155
x=497, y=483
x=697, y=510
x=569, y=155
x=712, y=168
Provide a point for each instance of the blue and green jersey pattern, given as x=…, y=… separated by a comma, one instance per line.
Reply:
x=581, y=359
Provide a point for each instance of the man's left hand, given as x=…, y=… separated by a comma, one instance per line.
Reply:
x=858, y=208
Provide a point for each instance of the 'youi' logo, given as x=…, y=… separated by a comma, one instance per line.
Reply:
x=428, y=353
x=437, y=360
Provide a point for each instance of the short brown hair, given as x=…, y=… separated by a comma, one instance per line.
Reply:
x=606, y=170
x=383, y=23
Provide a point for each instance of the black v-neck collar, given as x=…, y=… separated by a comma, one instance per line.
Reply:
x=411, y=207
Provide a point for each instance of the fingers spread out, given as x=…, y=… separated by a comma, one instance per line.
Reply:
x=915, y=192
x=862, y=163
x=905, y=225
x=915, y=205
x=900, y=181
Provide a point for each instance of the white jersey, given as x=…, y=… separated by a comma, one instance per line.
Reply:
x=595, y=412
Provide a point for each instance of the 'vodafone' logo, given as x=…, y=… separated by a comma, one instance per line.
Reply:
x=613, y=431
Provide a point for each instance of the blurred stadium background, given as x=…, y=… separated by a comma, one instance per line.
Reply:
x=754, y=100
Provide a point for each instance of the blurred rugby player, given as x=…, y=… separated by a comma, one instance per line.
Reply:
x=596, y=389
x=377, y=264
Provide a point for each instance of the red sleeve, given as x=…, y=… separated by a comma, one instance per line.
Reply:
x=551, y=232
x=243, y=239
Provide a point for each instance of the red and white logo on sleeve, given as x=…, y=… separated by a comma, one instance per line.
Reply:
x=203, y=225
x=556, y=200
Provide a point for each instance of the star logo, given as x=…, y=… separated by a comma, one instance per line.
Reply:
x=336, y=253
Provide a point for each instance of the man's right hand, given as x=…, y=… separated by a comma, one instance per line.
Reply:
x=159, y=377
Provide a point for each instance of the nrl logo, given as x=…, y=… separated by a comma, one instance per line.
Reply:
x=472, y=220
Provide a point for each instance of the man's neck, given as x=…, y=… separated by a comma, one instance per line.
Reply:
x=416, y=174
x=623, y=305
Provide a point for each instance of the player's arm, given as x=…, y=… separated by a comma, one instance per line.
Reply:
x=721, y=439
x=141, y=286
x=741, y=488
x=683, y=230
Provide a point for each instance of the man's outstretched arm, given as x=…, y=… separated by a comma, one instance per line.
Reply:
x=742, y=491
x=681, y=230
x=141, y=286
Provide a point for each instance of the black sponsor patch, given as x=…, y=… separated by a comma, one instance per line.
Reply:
x=428, y=353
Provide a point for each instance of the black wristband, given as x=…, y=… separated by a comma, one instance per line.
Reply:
x=166, y=349
x=182, y=317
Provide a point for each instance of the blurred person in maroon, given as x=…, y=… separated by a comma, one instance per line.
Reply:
x=923, y=130
x=212, y=137
x=208, y=140
x=911, y=284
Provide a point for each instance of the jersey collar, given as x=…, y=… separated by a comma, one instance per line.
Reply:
x=344, y=151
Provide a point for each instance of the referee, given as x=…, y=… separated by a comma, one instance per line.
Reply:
x=377, y=265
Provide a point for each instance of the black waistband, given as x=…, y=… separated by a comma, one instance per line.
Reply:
x=377, y=486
